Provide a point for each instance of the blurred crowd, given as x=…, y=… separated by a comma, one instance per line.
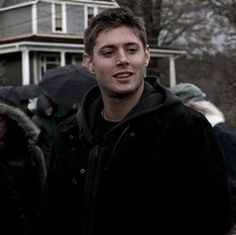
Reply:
x=27, y=130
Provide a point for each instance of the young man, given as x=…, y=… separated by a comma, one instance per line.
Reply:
x=134, y=159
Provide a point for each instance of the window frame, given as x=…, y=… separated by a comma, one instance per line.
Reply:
x=61, y=16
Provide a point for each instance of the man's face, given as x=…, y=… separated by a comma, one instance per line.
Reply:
x=3, y=127
x=119, y=62
x=49, y=111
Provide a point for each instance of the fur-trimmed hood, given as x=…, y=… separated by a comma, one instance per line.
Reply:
x=23, y=121
x=209, y=110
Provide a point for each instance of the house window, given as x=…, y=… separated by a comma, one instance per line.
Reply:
x=90, y=13
x=48, y=61
x=58, y=17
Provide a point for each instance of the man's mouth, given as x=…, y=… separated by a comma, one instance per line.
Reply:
x=123, y=74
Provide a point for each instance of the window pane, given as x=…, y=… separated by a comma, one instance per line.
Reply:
x=58, y=24
x=58, y=10
x=58, y=17
x=51, y=66
x=90, y=13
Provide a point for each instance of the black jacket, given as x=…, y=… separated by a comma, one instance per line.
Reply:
x=159, y=171
x=227, y=140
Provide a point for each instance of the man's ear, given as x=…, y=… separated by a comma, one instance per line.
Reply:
x=147, y=55
x=87, y=62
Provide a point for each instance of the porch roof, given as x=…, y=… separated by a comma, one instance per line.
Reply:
x=66, y=42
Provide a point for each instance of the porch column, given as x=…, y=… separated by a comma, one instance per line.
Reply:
x=35, y=68
x=63, y=58
x=25, y=67
x=172, y=71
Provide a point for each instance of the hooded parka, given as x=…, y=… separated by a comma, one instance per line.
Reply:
x=22, y=173
x=46, y=124
x=158, y=171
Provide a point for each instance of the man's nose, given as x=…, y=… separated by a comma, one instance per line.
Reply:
x=122, y=58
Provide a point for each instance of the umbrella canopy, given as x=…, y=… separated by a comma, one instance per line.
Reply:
x=9, y=95
x=68, y=83
x=26, y=92
x=15, y=95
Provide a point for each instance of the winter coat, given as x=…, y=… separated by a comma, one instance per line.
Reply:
x=158, y=171
x=46, y=124
x=22, y=173
x=227, y=140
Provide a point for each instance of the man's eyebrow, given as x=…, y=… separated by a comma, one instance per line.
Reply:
x=113, y=46
x=107, y=46
x=132, y=44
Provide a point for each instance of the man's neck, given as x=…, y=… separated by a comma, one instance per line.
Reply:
x=115, y=109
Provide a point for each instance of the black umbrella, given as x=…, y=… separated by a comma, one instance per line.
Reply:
x=26, y=92
x=67, y=84
x=15, y=95
x=9, y=95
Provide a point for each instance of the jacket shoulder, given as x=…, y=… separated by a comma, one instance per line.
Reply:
x=68, y=125
x=179, y=114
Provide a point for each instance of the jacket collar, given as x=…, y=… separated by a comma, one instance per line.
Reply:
x=153, y=98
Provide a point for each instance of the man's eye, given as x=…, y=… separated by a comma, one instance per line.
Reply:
x=132, y=49
x=107, y=53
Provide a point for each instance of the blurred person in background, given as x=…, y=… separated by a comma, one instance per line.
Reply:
x=24, y=106
x=45, y=120
x=22, y=170
x=193, y=97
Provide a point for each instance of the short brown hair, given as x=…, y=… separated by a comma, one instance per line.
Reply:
x=113, y=18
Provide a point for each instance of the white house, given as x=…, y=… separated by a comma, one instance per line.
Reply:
x=42, y=34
